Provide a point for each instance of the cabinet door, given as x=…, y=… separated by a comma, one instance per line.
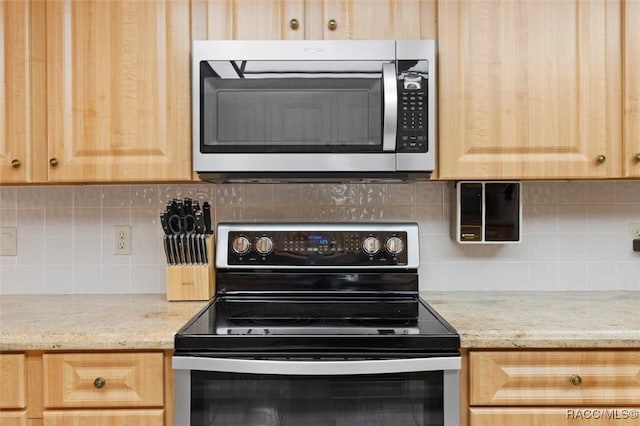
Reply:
x=104, y=418
x=103, y=380
x=22, y=119
x=247, y=19
x=567, y=378
x=13, y=418
x=370, y=19
x=529, y=89
x=631, y=159
x=13, y=381
x=118, y=90
x=553, y=416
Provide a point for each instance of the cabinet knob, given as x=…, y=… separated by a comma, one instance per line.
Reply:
x=637, y=157
x=576, y=380
x=99, y=382
x=332, y=24
x=53, y=162
x=601, y=159
x=16, y=163
x=294, y=24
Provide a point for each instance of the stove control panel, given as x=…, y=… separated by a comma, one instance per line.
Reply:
x=310, y=246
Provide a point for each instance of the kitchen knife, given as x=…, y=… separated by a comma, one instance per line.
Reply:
x=206, y=212
x=166, y=238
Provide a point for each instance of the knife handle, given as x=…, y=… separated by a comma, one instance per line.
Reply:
x=206, y=212
x=165, y=224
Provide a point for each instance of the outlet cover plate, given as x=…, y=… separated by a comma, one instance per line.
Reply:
x=8, y=241
x=634, y=230
x=122, y=239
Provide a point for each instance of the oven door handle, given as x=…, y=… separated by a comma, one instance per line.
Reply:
x=316, y=368
x=390, y=96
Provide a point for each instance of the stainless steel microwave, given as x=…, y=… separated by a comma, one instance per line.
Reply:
x=331, y=110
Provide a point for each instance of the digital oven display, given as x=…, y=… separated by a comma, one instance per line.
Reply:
x=318, y=239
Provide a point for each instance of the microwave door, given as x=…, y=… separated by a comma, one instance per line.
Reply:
x=390, y=94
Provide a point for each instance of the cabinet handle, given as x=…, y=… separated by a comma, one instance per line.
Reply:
x=576, y=380
x=294, y=24
x=99, y=383
x=637, y=157
x=332, y=24
x=601, y=159
x=53, y=162
x=16, y=163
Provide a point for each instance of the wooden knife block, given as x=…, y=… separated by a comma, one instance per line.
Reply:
x=193, y=282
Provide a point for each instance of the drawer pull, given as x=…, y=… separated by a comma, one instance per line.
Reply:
x=99, y=383
x=637, y=157
x=16, y=163
x=332, y=24
x=576, y=380
x=294, y=24
x=601, y=159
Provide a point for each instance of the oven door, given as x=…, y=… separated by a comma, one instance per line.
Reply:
x=293, y=392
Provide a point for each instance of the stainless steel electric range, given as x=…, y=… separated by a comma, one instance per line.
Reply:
x=317, y=324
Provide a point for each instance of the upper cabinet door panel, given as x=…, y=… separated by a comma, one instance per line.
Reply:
x=248, y=19
x=21, y=63
x=118, y=90
x=529, y=89
x=631, y=159
x=372, y=19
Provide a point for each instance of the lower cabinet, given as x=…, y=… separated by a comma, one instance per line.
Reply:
x=13, y=418
x=553, y=417
x=104, y=418
x=546, y=387
x=124, y=388
x=13, y=390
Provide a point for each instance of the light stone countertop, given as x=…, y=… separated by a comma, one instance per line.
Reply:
x=606, y=319
x=91, y=322
x=483, y=320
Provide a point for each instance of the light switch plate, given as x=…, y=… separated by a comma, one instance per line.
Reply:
x=8, y=241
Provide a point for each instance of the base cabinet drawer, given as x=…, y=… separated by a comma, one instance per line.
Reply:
x=103, y=380
x=554, y=416
x=130, y=417
x=555, y=378
x=13, y=418
x=13, y=379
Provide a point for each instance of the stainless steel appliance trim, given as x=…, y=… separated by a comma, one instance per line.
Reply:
x=451, y=397
x=182, y=397
x=223, y=229
x=390, y=123
x=285, y=162
x=316, y=368
x=300, y=50
x=182, y=394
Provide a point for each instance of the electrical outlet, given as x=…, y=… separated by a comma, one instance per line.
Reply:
x=634, y=230
x=122, y=239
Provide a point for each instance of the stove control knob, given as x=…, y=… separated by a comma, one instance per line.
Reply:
x=371, y=245
x=394, y=246
x=264, y=245
x=241, y=245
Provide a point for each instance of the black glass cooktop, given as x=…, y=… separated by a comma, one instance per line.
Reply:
x=361, y=325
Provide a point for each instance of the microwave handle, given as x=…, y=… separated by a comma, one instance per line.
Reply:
x=390, y=96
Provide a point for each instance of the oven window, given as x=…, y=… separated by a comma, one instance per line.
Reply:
x=230, y=399
x=283, y=106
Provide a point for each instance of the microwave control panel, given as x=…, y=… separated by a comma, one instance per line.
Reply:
x=412, y=114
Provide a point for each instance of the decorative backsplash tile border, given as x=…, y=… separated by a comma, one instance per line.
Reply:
x=575, y=234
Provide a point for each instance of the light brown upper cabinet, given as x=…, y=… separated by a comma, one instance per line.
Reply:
x=118, y=103
x=22, y=108
x=532, y=89
x=631, y=156
x=247, y=20
x=371, y=19
x=313, y=19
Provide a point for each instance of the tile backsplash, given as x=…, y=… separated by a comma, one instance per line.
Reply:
x=575, y=234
